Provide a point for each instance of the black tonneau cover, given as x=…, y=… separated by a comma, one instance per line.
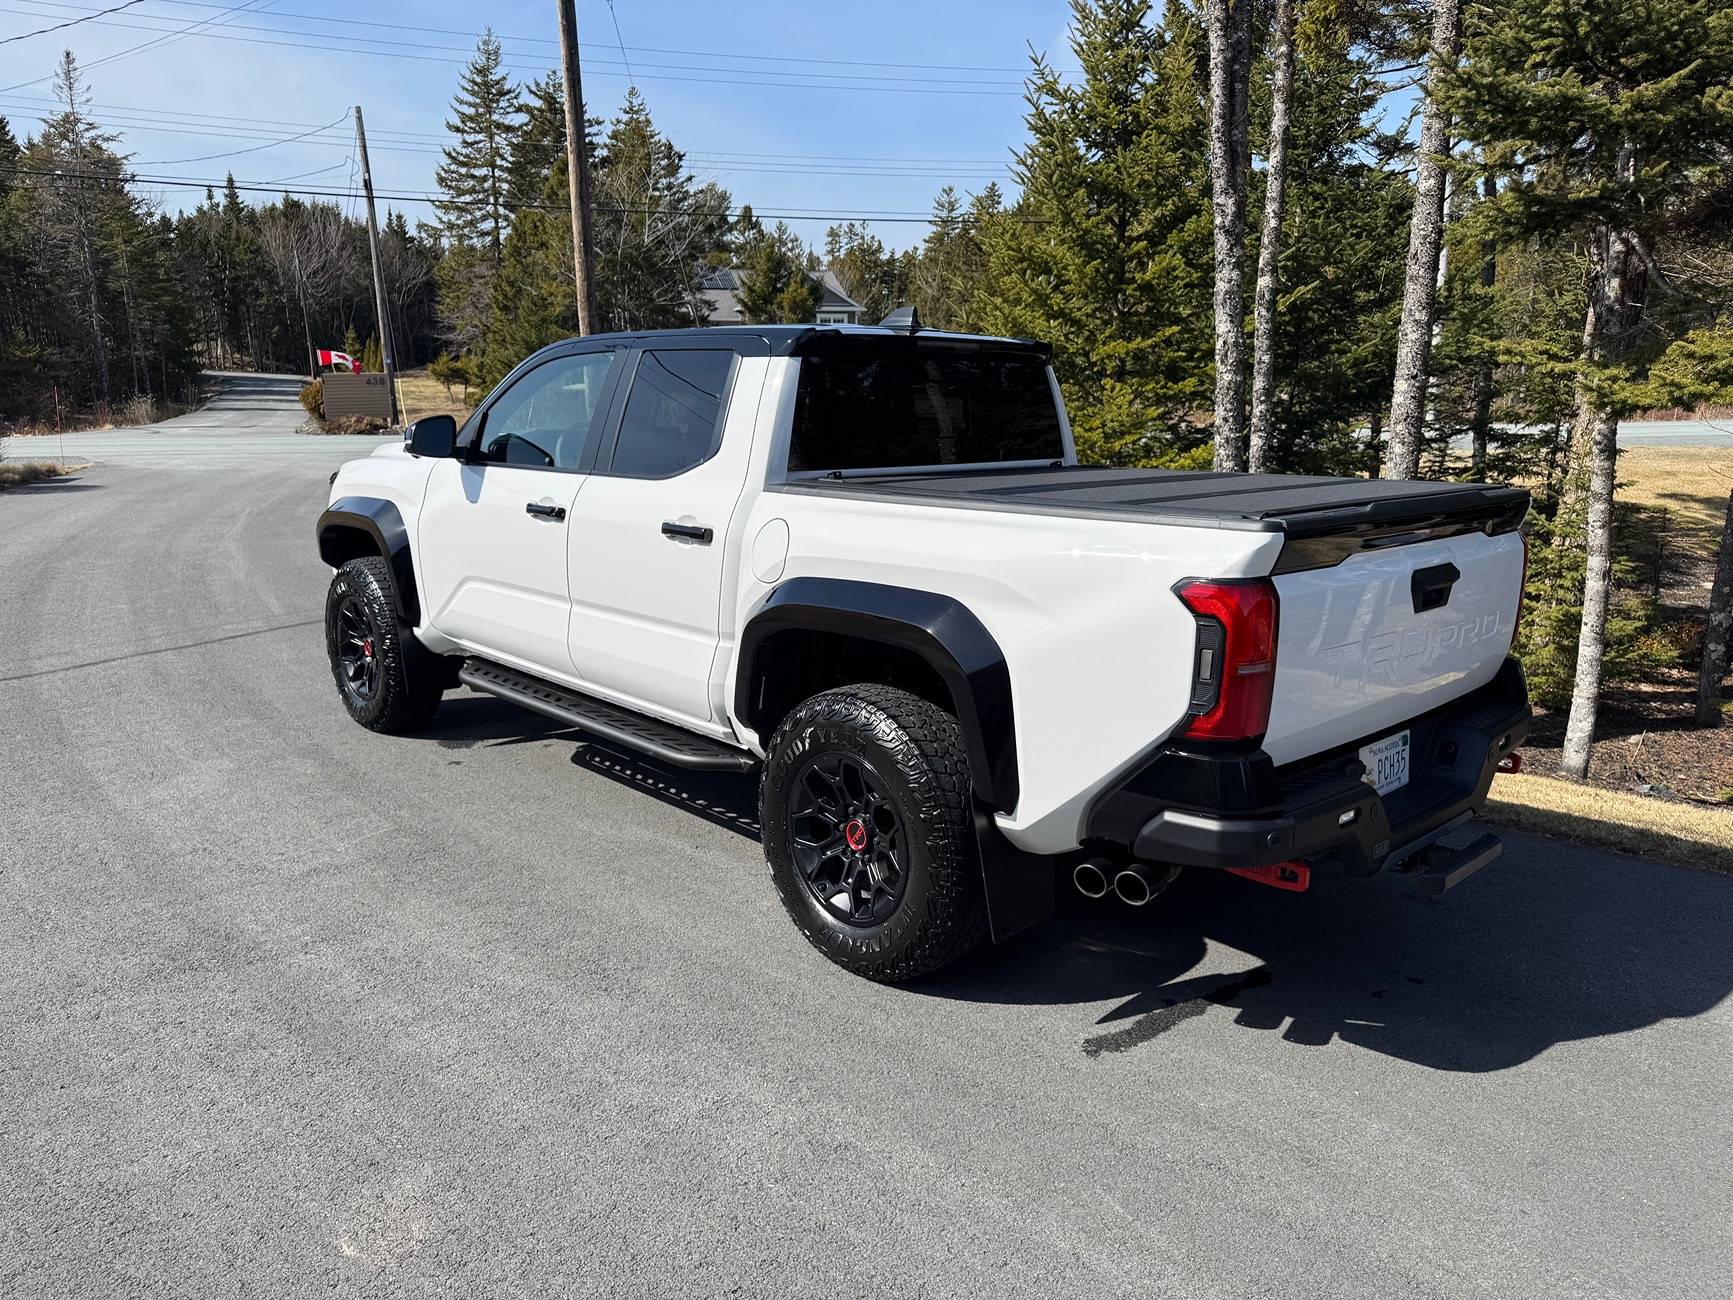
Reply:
x=1323, y=519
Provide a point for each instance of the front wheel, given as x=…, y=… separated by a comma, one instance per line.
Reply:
x=865, y=810
x=387, y=679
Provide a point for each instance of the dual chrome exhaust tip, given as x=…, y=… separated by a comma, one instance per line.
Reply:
x=1134, y=883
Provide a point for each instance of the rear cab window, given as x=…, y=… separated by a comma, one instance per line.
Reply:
x=908, y=409
x=673, y=416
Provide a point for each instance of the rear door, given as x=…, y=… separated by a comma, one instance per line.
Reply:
x=1386, y=635
x=648, y=534
x=492, y=530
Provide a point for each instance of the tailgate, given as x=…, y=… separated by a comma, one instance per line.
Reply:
x=1386, y=635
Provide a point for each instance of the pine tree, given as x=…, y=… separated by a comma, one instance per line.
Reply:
x=540, y=139
x=1106, y=251
x=655, y=226
x=774, y=285
x=472, y=174
x=1604, y=120
x=879, y=280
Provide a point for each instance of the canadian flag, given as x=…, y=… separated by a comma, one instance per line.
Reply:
x=329, y=358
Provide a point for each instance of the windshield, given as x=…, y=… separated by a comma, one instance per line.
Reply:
x=891, y=411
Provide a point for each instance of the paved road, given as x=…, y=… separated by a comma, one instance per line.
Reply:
x=1676, y=433
x=252, y=420
x=287, y=1007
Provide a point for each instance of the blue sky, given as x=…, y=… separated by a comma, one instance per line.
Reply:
x=793, y=105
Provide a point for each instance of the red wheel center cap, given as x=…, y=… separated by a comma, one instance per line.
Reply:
x=856, y=834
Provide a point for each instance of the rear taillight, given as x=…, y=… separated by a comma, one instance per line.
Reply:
x=1234, y=668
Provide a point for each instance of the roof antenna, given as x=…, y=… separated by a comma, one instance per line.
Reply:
x=904, y=320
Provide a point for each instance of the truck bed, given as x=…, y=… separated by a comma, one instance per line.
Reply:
x=1298, y=505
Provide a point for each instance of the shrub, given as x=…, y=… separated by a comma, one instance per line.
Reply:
x=139, y=409
x=313, y=398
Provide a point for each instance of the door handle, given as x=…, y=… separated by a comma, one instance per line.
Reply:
x=690, y=532
x=541, y=511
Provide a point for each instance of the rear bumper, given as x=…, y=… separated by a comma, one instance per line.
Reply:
x=1237, y=809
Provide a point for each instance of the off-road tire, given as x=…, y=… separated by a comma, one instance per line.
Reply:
x=411, y=679
x=917, y=749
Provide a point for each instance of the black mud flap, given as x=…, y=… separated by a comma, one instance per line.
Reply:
x=1019, y=886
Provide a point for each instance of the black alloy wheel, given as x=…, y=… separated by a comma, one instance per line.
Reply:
x=865, y=807
x=387, y=679
x=849, y=844
x=357, y=650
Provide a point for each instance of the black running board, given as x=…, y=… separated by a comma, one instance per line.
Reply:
x=660, y=740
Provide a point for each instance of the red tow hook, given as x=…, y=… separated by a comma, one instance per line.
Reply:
x=1511, y=762
x=1278, y=875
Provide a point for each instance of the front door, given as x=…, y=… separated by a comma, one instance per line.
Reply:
x=492, y=531
x=648, y=533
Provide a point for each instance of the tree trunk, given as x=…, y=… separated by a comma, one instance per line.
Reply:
x=1714, y=665
x=1612, y=318
x=1270, y=243
x=1229, y=165
x=1482, y=428
x=1425, y=238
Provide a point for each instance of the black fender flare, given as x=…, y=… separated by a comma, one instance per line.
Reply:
x=380, y=520
x=938, y=628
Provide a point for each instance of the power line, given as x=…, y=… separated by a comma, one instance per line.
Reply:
x=232, y=11
x=73, y=22
x=456, y=55
x=235, y=153
x=745, y=164
x=176, y=117
x=631, y=80
x=807, y=214
x=330, y=20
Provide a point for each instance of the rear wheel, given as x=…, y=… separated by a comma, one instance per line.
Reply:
x=388, y=680
x=865, y=811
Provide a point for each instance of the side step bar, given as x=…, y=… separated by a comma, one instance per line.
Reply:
x=660, y=740
x=1443, y=868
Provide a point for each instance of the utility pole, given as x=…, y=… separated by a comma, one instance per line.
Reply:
x=577, y=167
x=378, y=280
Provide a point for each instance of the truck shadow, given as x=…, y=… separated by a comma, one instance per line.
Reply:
x=1551, y=944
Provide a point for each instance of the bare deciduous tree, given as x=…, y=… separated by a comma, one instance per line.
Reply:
x=1425, y=239
x=1720, y=620
x=1229, y=165
x=308, y=247
x=1607, y=331
x=1270, y=241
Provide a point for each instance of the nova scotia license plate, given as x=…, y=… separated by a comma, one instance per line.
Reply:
x=1387, y=762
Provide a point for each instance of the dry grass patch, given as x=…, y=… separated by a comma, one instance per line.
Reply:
x=419, y=393
x=1690, y=483
x=1691, y=835
x=20, y=473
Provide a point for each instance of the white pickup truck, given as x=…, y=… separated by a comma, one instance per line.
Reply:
x=865, y=563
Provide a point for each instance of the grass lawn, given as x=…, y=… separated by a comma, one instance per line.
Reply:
x=421, y=394
x=1692, y=835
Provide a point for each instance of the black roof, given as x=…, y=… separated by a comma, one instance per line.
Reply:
x=806, y=340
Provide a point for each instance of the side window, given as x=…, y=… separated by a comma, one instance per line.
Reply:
x=674, y=412
x=543, y=420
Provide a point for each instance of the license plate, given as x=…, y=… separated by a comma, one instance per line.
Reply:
x=1387, y=762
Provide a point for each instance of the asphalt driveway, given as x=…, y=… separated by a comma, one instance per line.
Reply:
x=290, y=1008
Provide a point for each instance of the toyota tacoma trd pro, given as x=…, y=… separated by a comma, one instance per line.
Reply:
x=865, y=563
